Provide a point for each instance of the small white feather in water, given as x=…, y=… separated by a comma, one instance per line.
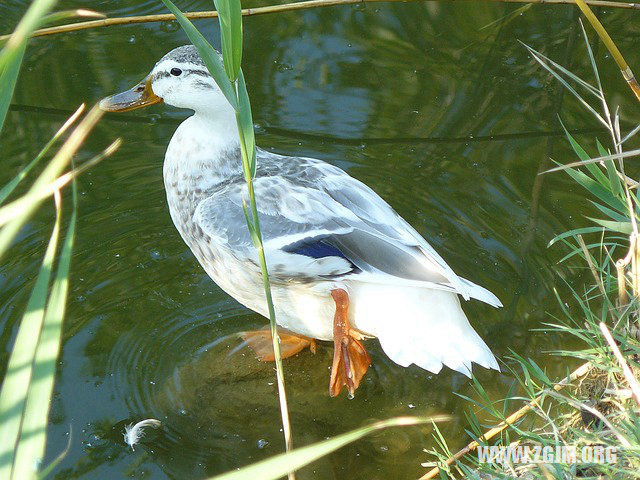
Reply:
x=133, y=433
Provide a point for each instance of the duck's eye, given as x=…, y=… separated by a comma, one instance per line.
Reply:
x=140, y=88
x=176, y=72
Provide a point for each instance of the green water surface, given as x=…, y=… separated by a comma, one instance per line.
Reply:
x=434, y=105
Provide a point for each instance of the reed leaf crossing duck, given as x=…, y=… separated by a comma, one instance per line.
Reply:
x=343, y=264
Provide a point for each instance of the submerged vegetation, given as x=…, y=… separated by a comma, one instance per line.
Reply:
x=597, y=404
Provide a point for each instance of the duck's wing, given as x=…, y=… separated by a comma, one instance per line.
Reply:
x=294, y=221
x=386, y=223
x=319, y=223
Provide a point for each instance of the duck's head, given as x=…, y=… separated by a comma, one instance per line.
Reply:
x=180, y=79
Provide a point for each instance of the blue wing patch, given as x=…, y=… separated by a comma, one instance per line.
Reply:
x=315, y=248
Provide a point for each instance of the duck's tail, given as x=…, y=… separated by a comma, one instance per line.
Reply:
x=419, y=325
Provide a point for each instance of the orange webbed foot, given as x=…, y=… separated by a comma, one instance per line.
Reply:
x=290, y=343
x=350, y=359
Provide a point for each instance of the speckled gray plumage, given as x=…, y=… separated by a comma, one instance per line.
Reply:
x=184, y=54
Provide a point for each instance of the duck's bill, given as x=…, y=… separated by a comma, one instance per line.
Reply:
x=139, y=96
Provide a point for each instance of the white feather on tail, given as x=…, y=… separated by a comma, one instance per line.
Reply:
x=419, y=325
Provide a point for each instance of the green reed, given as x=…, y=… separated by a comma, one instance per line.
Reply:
x=228, y=75
x=27, y=388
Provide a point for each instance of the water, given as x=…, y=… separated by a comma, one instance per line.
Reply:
x=448, y=121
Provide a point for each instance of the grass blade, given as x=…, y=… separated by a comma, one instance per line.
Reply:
x=19, y=369
x=207, y=52
x=8, y=79
x=592, y=59
x=614, y=179
x=618, y=217
x=15, y=209
x=245, y=123
x=280, y=465
x=230, y=18
x=44, y=473
x=547, y=63
x=49, y=174
x=7, y=189
x=13, y=52
x=573, y=233
x=32, y=442
x=584, y=157
x=630, y=134
x=615, y=156
x=597, y=190
x=622, y=227
x=542, y=60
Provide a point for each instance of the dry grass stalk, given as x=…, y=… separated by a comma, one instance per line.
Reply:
x=107, y=22
x=623, y=297
x=629, y=265
x=611, y=46
x=628, y=375
x=514, y=417
x=592, y=267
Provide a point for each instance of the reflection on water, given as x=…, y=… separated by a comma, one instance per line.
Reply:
x=150, y=336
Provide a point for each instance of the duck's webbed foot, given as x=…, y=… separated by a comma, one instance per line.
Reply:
x=350, y=359
x=290, y=343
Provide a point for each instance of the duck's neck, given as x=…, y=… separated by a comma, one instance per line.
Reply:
x=204, y=151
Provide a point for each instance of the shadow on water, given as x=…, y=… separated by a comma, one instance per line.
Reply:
x=448, y=121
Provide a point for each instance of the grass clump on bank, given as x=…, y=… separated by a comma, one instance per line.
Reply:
x=598, y=404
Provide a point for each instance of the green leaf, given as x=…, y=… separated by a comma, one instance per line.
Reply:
x=230, y=18
x=591, y=58
x=590, y=246
x=573, y=233
x=20, y=367
x=246, y=123
x=9, y=231
x=584, y=156
x=13, y=52
x=6, y=190
x=614, y=179
x=207, y=52
x=618, y=217
x=539, y=56
x=539, y=373
x=622, y=227
x=597, y=189
x=253, y=233
x=550, y=65
x=280, y=465
x=8, y=80
x=31, y=446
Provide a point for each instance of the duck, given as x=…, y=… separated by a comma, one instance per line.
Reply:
x=343, y=265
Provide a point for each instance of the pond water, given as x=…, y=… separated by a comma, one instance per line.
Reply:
x=435, y=105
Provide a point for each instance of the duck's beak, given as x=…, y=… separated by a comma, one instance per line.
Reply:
x=139, y=96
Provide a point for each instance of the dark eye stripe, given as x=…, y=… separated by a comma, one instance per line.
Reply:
x=202, y=73
x=191, y=71
x=200, y=83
